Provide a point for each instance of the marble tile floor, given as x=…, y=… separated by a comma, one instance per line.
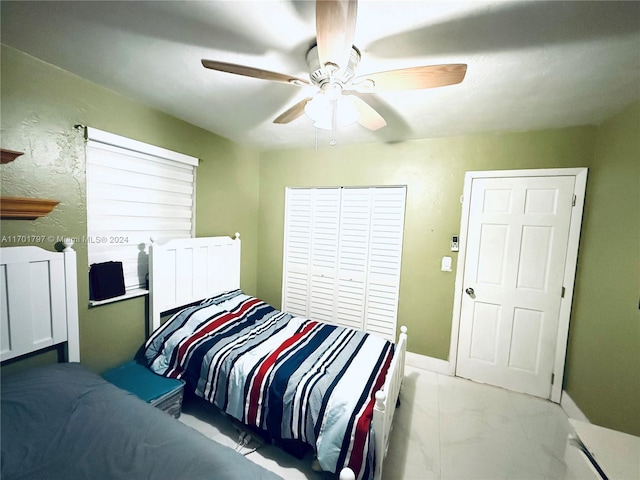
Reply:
x=446, y=428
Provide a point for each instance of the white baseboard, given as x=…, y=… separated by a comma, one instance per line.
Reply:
x=430, y=364
x=571, y=408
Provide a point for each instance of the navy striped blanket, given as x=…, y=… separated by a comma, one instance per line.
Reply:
x=293, y=377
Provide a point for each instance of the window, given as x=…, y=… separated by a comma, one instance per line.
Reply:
x=135, y=191
x=343, y=250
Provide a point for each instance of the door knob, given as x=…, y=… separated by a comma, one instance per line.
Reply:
x=470, y=291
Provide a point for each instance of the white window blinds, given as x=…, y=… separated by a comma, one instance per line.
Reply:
x=342, y=255
x=135, y=191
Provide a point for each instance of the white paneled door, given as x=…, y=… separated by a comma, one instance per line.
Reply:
x=517, y=241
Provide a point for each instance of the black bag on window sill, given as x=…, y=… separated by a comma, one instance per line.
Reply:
x=106, y=280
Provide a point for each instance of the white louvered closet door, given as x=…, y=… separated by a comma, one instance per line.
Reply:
x=343, y=249
x=353, y=257
x=297, y=251
x=324, y=253
x=310, y=257
x=385, y=257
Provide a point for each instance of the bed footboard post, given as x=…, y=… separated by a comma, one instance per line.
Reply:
x=71, y=289
x=402, y=347
x=347, y=474
x=381, y=429
x=386, y=400
x=153, y=321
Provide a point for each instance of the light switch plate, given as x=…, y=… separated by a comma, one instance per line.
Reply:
x=446, y=264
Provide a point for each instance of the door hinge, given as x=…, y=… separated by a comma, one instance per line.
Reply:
x=563, y=291
x=573, y=201
x=553, y=378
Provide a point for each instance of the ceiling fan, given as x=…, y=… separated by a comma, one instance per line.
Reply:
x=332, y=63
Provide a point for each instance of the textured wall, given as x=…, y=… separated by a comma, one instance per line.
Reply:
x=40, y=106
x=433, y=171
x=241, y=190
x=603, y=358
x=603, y=363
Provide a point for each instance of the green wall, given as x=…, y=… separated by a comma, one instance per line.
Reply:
x=603, y=359
x=40, y=106
x=603, y=363
x=433, y=171
x=239, y=189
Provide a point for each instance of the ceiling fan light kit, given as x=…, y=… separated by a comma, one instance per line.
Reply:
x=327, y=112
x=332, y=64
x=329, y=108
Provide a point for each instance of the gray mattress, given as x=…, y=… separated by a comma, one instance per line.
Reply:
x=64, y=422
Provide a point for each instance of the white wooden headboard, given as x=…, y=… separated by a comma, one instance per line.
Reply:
x=184, y=271
x=38, y=301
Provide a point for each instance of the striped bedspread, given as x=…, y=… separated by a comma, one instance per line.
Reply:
x=293, y=377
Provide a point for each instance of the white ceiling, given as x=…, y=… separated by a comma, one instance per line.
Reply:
x=531, y=64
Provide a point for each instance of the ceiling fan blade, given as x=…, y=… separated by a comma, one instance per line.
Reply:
x=294, y=112
x=335, y=29
x=252, y=72
x=414, y=78
x=369, y=118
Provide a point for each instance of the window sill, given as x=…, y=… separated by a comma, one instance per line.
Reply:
x=136, y=292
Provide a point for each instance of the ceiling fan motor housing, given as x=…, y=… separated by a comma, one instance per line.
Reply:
x=323, y=76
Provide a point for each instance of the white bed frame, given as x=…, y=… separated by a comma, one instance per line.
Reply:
x=38, y=301
x=186, y=271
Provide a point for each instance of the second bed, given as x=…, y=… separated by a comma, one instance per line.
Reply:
x=331, y=387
